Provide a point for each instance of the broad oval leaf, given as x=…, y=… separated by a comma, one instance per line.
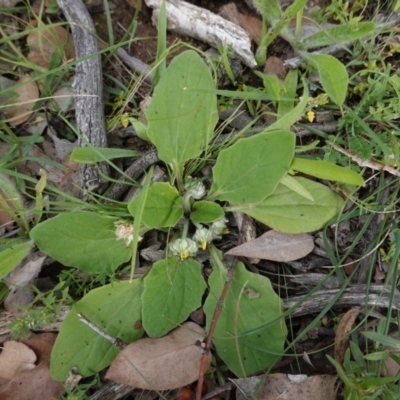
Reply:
x=115, y=309
x=250, y=303
x=251, y=169
x=172, y=290
x=183, y=112
x=82, y=240
x=333, y=75
x=325, y=170
x=287, y=211
x=163, y=207
x=165, y=363
x=206, y=211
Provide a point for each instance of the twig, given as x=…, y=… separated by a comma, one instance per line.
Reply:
x=135, y=64
x=190, y=20
x=215, y=317
x=115, y=341
x=366, y=163
x=88, y=88
x=133, y=172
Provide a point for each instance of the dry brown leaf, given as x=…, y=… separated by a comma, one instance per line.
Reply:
x=252, y=25
x=45, y=42
x=166, y=363
x=287, y=387
x=392, y=367
x=35, y=383
x=22, y=103
x=19, y=281
x=249, y=23
x=274, y=66
x=16, y=357
x=276, y=246
x=342, y=333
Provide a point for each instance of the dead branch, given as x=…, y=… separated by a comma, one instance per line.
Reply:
x=88, y=88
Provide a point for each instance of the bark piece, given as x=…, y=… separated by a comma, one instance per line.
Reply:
x=88, y=88
x=206, y=26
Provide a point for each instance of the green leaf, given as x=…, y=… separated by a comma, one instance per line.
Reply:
x=289, y=87
x=172, y=290
x=12, y=255
x=294, y=185
x=250, y=169
x=333, y=75
x=339, y=34
x=115, y=309
x=326, y=170
x=287, y=211
x=286, y=121
x=92, y=155
x=250, y=303
x=271, y=10
x=271, y=84
x=82, y=240
x=206, y=211
x=163, y=207
x=183, y=112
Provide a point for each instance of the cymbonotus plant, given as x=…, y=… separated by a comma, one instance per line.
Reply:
x=254, y=175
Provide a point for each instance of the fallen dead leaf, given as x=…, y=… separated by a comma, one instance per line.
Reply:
x=276, y=246
x=287, y=387
x=166, y=363
x=247, y=229
x=21, y=105
x=392, y=367
x=35, y=383
x=19, y=283
x=16, y=357
x=342, y=333
x=249, y=23
x=274, y=66
x=45, y=42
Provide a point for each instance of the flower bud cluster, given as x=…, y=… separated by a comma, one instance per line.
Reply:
x=185, y=248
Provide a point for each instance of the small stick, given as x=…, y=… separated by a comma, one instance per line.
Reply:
x=115, y=341
x=207, y=343
x=366, y=163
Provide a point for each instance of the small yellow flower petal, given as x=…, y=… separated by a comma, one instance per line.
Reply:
x=311, y=116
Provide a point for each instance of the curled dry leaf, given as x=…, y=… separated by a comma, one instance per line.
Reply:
x=36, y=382
x=392, y=367
x=20, y=293
x=276, y=246
x=166, y=363
x=21, y=105
x=342, y=333
x=287, y=387
x=249, y=23
x=16, y=357
x=44, y=43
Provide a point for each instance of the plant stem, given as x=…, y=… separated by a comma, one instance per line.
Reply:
x=206, y=345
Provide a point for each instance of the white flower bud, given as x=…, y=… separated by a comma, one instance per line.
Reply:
x=195, y=189
x=124, y=230
x=184, y=248
x=202, y=237
x=218, y=228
